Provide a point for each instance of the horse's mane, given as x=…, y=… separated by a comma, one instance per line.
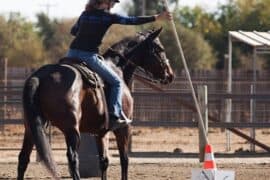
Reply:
x=127, y=43
x=114, y=55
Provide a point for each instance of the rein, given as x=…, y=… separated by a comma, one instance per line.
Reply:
x=140, y=72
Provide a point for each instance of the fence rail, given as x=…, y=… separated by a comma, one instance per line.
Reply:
x=164, y=123
x=164, y=109
x=144, y=96
x=151, y=106
x=195, y=124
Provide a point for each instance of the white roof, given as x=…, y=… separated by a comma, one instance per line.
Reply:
x=254, y=38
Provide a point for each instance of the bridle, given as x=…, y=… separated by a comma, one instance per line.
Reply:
x=141, y=72
x=152, y=51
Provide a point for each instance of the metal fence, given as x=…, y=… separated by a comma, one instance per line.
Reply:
x=155, y=109
x=167, y=107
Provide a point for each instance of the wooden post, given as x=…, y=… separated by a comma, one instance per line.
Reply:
x=253, y=101
x=228, y=102
x=3, y=83
x=252, y=119
x=89, y=157
x=203, y=101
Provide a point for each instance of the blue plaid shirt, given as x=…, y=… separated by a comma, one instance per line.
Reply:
x=91, y=26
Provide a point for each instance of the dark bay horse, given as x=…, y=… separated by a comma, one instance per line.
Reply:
x=57, y=94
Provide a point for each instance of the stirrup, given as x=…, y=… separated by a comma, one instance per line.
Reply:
x=116, y=123
x=125, y=118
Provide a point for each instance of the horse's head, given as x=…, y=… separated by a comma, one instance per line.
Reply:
x=145, y=52
x=148, y=53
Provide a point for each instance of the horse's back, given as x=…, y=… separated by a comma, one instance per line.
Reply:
x=66, y=101
x=59, y=94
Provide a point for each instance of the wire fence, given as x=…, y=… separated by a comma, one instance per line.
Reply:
x=151, y=109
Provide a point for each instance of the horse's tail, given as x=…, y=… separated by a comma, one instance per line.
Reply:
x=33, y=120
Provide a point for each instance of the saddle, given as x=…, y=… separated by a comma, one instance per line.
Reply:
x=89, y=77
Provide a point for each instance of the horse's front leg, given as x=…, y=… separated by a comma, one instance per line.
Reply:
x=122, y=139
x=103, y=156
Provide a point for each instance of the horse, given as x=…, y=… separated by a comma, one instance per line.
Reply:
x=57, y=94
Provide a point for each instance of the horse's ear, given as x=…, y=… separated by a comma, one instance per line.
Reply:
x=151, y=37
x=154, y=35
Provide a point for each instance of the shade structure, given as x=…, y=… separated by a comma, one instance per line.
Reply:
x=260, y=42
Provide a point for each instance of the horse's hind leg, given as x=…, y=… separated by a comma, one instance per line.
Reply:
x=73, y=140
x=24, y=156
x=103, y=156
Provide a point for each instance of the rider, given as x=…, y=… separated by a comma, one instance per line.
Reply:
x=89, y=31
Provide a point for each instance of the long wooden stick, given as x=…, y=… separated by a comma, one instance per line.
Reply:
x=201, y=125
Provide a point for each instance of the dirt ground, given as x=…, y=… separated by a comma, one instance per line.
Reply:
x=158, y=153
x=184, y=140
x=145, y=170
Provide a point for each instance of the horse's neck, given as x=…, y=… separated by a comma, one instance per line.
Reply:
x=128, y=72
x=127, y=69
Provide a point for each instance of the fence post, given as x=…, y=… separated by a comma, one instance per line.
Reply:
x=252, y=117
x=3, y=83
x=203, y=101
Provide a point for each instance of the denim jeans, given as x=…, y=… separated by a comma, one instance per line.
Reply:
x=107, y=74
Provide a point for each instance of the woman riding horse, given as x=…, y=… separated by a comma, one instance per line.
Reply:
x=56, y=93
x=89, y=30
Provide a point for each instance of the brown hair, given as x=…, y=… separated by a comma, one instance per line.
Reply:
x=92, y=4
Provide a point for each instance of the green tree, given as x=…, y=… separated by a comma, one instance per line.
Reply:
x=197, y=19
x=198, y=53
x=240, y=15
x=19, y=42
x=233, y=16
x=115, y=34
x=55, y=35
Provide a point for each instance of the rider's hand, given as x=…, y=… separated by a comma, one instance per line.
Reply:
x=165, y=15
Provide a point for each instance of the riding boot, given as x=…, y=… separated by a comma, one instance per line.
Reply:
x=118, y=122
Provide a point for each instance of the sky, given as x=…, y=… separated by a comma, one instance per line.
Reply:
x=72, y=8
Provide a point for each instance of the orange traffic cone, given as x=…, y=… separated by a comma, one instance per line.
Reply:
x=209, y=160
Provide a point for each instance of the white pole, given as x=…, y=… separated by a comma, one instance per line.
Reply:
x=203, y=101
x=253, y=101
x=3, y=82
x=188, y=74
x=143, y=7
x=252, y=116
x=228, y=117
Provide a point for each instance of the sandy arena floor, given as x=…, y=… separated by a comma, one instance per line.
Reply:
x=158, y=169
x=176, y=166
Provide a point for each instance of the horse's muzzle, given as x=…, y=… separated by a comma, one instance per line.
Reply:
x=169, y=76
x=168, y=79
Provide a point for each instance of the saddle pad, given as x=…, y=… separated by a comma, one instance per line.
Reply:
x=89, y=77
